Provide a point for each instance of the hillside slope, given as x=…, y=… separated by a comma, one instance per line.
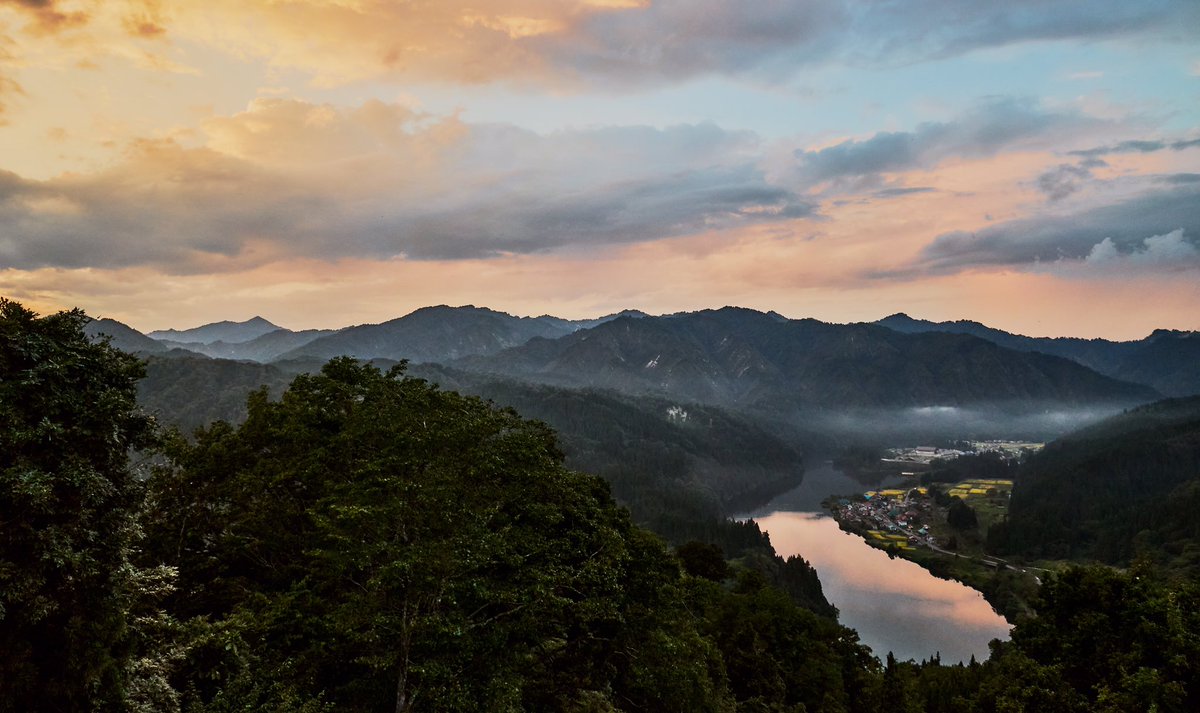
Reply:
x=739, y=357
x=1129, y=485
x=1167, y=360
x=432, y=334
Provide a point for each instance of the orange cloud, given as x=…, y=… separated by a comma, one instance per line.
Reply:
x=47, y=16
x=308, y=293
x=460, y=41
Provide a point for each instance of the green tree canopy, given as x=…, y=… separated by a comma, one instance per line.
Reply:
x=68, y=420
x=375, y=543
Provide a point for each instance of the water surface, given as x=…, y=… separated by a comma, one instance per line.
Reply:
x=894, y=605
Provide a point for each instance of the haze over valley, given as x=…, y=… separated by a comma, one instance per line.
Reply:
x=599, y=356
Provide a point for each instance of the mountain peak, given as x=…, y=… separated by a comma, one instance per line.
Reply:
x=225, y=331
x=1160, y=333
x=122, y=336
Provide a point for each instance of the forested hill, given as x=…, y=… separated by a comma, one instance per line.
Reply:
x=1167, y=360
x=368, y=542
x=226, y=331
x=745, y=358
x=264, y=348
x=679, y=467
x=123, y=337
x=1124, y=487
x=193, y=391
x=433, y=334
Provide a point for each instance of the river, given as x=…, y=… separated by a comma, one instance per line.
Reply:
x=894, y=604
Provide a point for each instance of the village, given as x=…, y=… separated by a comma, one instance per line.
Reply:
x=916, y=516
x=904, y=519
x=925, y=455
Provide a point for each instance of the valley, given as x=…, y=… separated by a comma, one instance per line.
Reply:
x=599, y=356
x=697, y=417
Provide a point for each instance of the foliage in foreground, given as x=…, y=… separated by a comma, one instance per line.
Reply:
x=372, y=543
x=67, y=421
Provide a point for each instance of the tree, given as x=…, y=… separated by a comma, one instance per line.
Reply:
x=701, y=559
x=374, y=543
x=68, y=420
x=961, y=516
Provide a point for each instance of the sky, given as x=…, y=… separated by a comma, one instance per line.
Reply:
x=1032, y=164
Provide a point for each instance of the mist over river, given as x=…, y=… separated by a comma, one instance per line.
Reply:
x=895, y=605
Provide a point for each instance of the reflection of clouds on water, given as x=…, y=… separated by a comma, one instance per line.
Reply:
x=894, y=604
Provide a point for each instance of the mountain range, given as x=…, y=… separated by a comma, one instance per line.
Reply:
x=433, y=334
x=264, y=348
x=731, y=357
x=696, y=410
x=1167, y=360
x=229, y=332
x=747, y=359
x=123, y=337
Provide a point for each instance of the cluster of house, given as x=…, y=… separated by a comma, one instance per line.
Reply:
x=921, y=454
x=1009, y=449
x=925, y=455
x=891, y=517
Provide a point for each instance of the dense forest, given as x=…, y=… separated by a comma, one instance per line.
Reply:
x=366, y=541
x=1124, y=488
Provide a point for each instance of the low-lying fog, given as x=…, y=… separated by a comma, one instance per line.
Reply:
x=938, y=422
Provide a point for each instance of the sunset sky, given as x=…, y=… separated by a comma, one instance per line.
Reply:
x=1032, y=164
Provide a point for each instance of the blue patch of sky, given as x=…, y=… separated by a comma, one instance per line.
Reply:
x=819, y=102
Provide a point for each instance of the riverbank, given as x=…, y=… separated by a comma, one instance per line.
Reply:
x=896, y=606
x=945, y=536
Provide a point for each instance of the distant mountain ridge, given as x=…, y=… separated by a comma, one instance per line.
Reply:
x=439, y=334
x=429, y=334
x=225, y=331
x=266, y=348
x=733, y=356
x=123, y=337
x=741, y=357
x=1168, y=360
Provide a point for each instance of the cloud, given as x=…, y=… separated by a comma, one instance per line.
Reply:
x=1049, y=238
x=1138, y=146
x=574, y=44
x=288, y=178
x=898, y=192
x=46, y=15
x=1063, y=180
x=9, y=86
x=1067, y=179
x=145, y=19
x=905, y=30
x=639, y=42
x=671, y=40
x=1170, y=251
x=989, y=127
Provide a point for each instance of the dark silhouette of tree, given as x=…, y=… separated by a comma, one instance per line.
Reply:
x=961, y=516
x=68, y=420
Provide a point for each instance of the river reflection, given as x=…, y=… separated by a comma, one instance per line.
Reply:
x=894, y=604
